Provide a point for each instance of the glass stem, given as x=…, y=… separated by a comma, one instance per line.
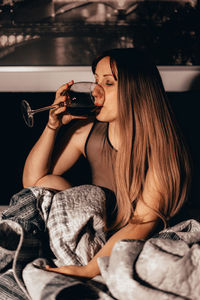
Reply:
x=34, y=111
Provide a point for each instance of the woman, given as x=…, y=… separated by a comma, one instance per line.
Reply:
x=148, y=164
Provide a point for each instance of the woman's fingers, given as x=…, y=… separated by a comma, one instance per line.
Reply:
x=60, y=114
x=63, y=88
x=57, y=110
x=67, y=117
x=79, y=117
x=60, y=99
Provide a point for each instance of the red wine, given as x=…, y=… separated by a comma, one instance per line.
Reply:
x=80, y=98
x=84, y=110
x=81, y=104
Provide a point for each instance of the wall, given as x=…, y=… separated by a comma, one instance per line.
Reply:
x=48, y=79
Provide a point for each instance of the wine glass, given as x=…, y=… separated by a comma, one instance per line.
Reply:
x=83, y=99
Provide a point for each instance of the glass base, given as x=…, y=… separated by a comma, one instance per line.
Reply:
x=27, y=113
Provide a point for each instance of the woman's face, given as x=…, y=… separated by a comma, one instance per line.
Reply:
x=104, y=77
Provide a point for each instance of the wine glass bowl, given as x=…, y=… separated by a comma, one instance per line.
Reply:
x=83, y=99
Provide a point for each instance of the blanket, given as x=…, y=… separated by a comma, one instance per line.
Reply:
x=36, y=230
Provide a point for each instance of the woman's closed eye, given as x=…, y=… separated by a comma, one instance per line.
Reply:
x=109, y=83
x=105, y=83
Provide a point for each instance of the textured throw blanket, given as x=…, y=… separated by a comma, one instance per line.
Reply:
x=43, y=226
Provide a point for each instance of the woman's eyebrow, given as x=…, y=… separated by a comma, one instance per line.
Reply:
x=105, y=75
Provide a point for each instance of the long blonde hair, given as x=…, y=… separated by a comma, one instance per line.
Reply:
x=149, y=135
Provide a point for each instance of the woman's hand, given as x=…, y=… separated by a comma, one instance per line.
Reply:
x=79, y=271
x=59, y=116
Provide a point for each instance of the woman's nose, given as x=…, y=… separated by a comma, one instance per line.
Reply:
x=98, y=94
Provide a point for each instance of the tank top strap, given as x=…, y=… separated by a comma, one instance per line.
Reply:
x=91, y=130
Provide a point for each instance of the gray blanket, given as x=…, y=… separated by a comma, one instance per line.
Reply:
x=36, y=229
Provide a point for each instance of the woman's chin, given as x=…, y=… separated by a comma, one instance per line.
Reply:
x=99, y=117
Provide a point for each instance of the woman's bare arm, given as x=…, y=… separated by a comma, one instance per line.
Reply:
x=43, y=160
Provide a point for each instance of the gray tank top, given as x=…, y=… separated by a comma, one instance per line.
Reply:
x=101, y=156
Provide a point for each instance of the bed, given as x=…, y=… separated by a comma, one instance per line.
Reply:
x=166, y=266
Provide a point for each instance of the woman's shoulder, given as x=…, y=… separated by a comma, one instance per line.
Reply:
x=82, y=127
x=79, y=132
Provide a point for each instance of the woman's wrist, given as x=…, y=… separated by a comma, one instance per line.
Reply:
x=52, y=127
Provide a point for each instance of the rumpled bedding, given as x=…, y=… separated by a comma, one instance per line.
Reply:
x=43, y=226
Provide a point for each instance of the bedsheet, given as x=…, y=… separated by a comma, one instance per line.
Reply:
x=166, y=266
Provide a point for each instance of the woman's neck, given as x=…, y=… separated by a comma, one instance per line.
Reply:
x=113, y=134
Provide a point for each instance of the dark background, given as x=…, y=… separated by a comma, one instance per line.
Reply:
x=17, y=139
